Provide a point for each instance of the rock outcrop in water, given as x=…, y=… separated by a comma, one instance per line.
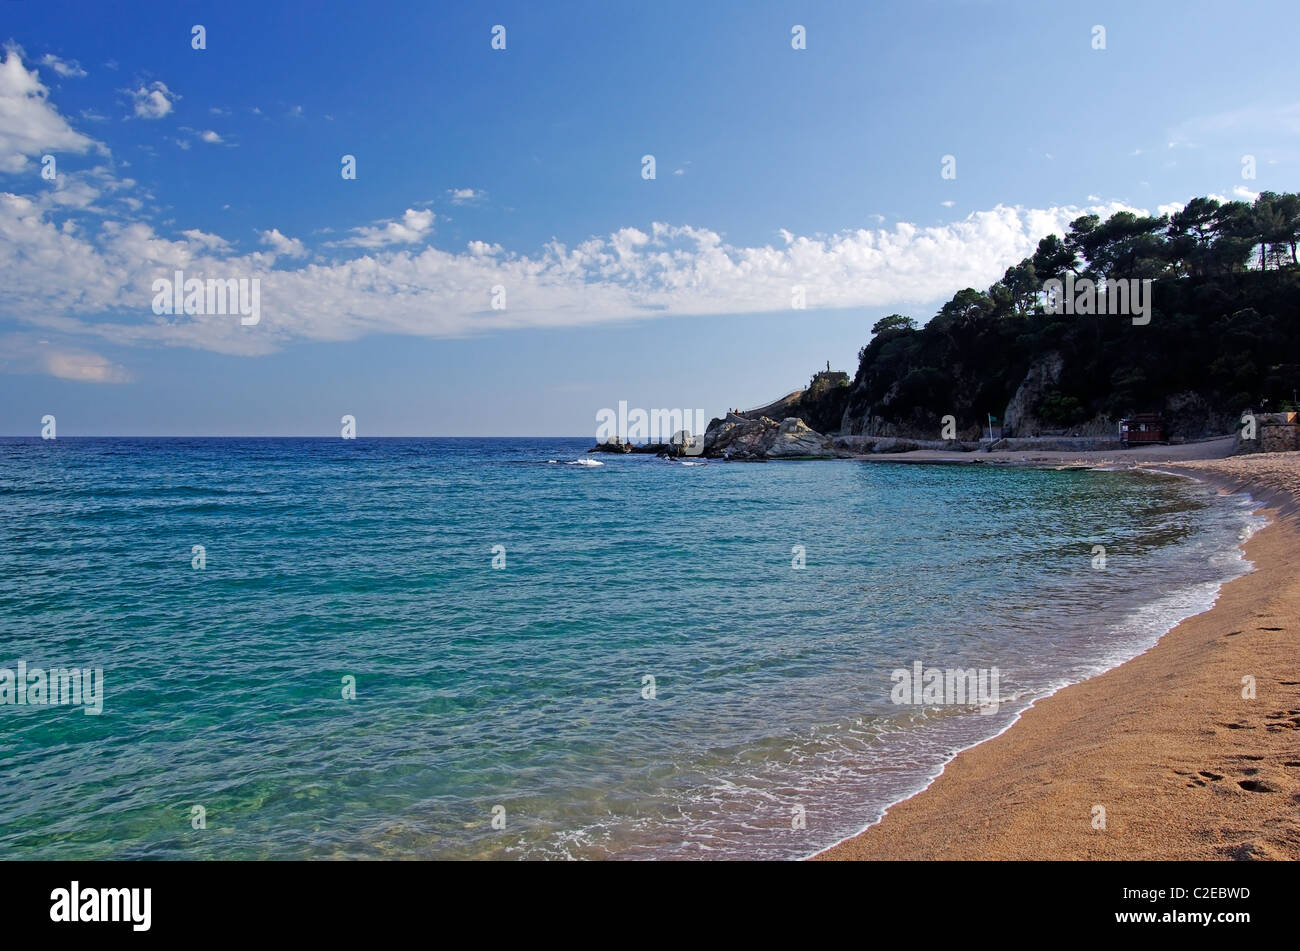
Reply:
x=738, y=437
x=624, y=447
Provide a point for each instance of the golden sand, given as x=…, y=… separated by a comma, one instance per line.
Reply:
x=1183, y=764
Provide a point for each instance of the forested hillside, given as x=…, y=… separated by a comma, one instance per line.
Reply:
x=1223, y=335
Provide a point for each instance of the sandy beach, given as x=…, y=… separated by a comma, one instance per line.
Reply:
x=1183, y=764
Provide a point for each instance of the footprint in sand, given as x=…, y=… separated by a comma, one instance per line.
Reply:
x=1206, y=777
x=1283, y=720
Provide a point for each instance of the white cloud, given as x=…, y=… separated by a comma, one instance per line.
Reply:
x=40, y=353
x=72, y=191
x=153, y=101
x=29, y=125
x=289, y=247
x=210, y=137
x=414, y=226
x=465, y=196
x=209, y=242
x=67, y=68
x=1241, y=191
x=98, y=283
x=948, y=204
x=84, y=366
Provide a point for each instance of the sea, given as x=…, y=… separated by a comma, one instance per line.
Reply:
x=436, y=648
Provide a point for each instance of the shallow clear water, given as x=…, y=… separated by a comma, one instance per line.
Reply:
x=522, y=687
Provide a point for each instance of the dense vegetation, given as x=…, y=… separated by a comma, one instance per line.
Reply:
x=1224, y=333
x=821, y=405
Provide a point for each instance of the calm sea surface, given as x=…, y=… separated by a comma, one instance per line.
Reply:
x=523, y=687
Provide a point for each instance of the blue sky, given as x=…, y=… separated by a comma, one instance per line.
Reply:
x=521, y=168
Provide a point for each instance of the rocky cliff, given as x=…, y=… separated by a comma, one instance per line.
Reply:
x=820, y=406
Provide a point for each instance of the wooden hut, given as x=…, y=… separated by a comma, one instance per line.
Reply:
x=1142, y=429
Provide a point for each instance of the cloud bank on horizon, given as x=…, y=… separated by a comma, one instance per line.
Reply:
x=80, y=255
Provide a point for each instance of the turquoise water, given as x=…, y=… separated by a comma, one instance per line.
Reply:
x=521, y=687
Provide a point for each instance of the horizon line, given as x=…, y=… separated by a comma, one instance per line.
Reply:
x=273, y=436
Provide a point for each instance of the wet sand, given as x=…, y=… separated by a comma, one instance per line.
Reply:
x=1209, y=449
x=1184, y=766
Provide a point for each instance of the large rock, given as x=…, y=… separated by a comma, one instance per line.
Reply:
x=736, y=437
x=1018, y=418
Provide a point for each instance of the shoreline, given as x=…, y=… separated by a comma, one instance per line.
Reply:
x=1165, y=743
